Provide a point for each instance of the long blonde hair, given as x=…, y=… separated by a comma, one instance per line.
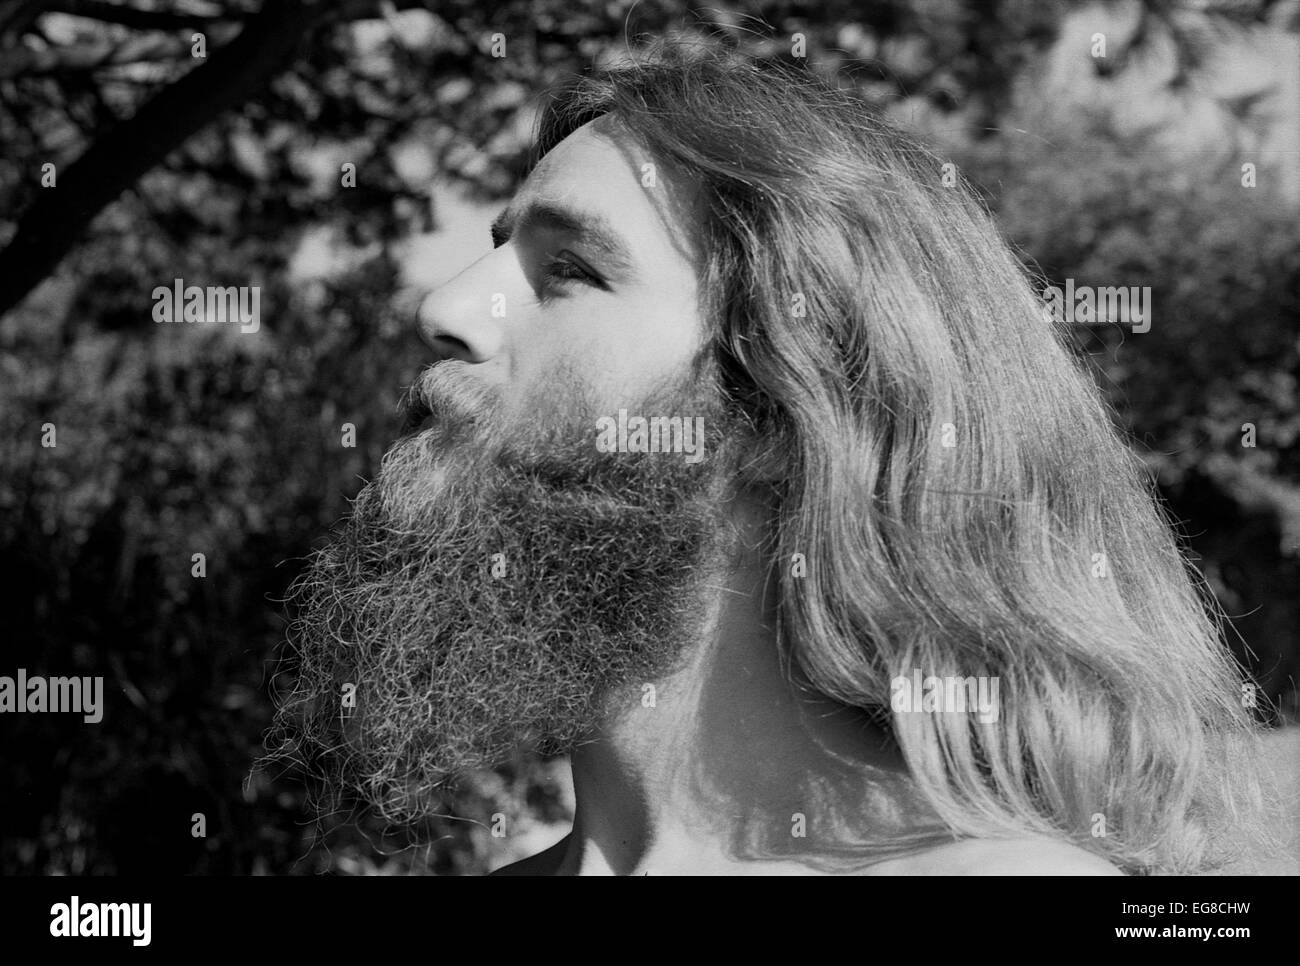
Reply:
x=952, y=477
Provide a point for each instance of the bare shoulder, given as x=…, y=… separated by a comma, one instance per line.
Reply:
x=1038, y=857
x=1024, y=856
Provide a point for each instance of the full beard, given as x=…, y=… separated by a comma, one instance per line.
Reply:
x=499, y=588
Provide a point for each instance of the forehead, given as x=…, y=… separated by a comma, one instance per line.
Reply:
x=602, y=170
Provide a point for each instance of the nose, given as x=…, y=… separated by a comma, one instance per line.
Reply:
x=457, y=320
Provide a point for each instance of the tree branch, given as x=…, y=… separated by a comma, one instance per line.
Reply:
x=54, y=222
x=136, y=17
x=83, y=57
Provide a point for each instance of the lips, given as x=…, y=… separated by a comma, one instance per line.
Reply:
x=415, y=416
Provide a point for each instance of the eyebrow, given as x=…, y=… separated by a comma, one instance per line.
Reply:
x=590, y=228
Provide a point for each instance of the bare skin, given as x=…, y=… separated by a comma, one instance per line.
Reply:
x=733, y=714
x=731, y=751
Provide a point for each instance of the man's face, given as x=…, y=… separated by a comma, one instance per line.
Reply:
x=504, y=580
x=593, y=271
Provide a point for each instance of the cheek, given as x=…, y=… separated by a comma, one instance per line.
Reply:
x=662, y=331
x=621, y=349
x=642, y=356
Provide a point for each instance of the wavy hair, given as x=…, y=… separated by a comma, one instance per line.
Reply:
x=948, y=470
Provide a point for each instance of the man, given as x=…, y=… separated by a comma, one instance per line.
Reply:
x=750, y=473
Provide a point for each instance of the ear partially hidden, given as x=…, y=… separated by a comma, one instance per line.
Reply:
x=764, y=459
x=768, y=465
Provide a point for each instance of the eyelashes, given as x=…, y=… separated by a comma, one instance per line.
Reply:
x=562, y=271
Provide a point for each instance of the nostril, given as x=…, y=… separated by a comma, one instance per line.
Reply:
x=450, y=347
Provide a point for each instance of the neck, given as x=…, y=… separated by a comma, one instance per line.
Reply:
x=726, y=766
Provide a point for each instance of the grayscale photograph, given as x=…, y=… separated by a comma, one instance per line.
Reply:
x=622, y=437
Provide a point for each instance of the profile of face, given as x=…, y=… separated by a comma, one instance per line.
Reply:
x=593, y=270
x=504, y=580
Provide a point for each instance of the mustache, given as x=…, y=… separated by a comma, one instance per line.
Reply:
x=445, y=394
x=413, y=409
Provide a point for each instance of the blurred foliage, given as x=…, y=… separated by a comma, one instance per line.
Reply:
x=174, y=440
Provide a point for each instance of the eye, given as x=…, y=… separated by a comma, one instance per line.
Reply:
x=564, y=271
